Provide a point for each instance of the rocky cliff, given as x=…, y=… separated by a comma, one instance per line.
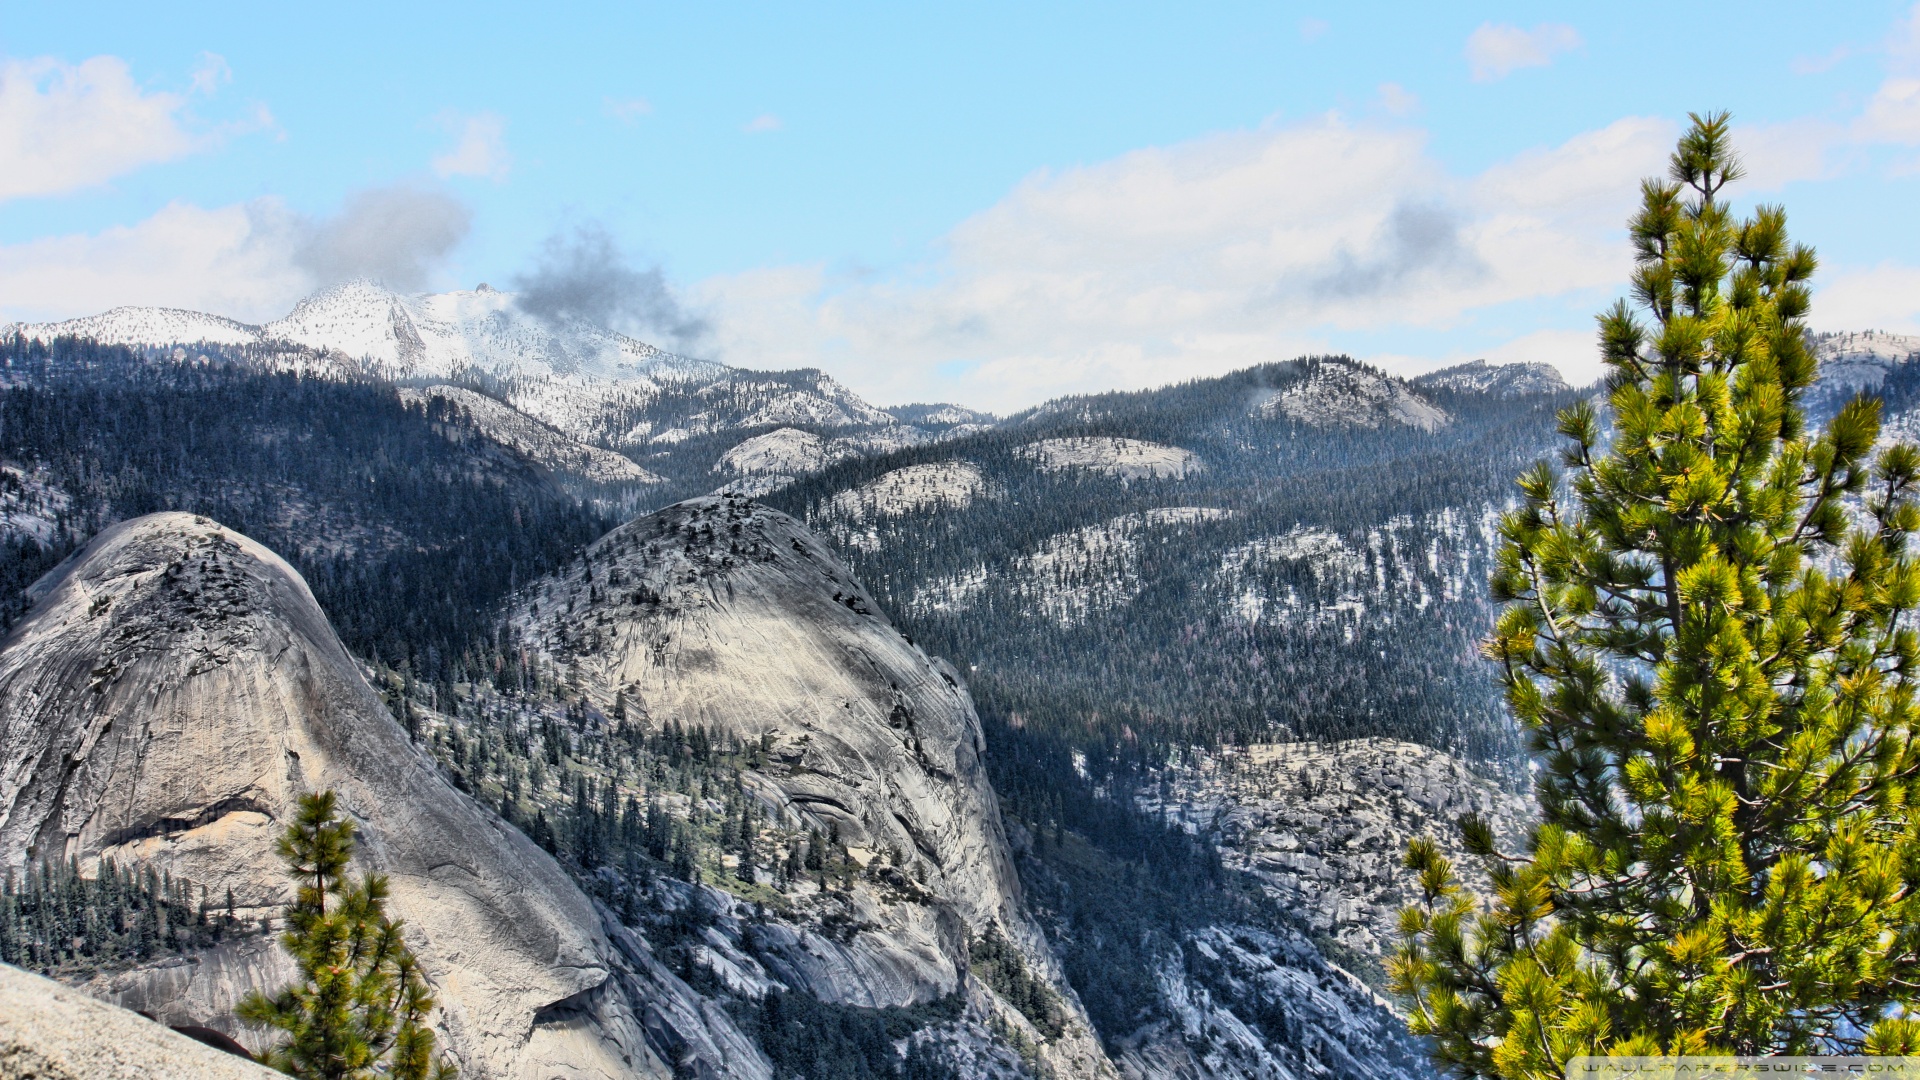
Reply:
x=176, y=688
x=722, y=616
x=1323, y=827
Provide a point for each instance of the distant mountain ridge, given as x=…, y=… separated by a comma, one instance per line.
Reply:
x=1289, y=559
x=600, y=392
x=405, y=337
x=1500, y=380
x=1857, y=360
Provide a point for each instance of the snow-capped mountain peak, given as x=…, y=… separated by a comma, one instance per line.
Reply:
x=402, y=337
x=436, y=335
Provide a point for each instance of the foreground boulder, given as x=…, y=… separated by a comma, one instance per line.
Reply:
x=173, y=692
x=51, y=1032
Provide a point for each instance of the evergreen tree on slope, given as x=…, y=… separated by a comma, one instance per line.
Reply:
x=360, y=1008
x=1709, y=644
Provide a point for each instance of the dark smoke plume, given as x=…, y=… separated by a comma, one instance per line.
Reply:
x=583, y=275
x=396, y=236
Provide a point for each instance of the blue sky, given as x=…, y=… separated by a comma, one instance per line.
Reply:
x=980, y=202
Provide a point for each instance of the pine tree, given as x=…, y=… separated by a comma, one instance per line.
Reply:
x=1708, y=644
x=359, y=1010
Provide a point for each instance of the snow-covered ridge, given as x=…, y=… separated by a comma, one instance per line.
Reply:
x=1128, y=459
x=143, y=326
x=817, y=401
x=953, y=414
x=1861, y=359
x=399, y=336
x=768, y=462
x=539, y=443
x=1347, y=395
x=594, y=385
x=435, y=335
x=1499, y=380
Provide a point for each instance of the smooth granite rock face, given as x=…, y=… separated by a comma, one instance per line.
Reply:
x=52, y=1032
x=171, y=695
x=722, y=613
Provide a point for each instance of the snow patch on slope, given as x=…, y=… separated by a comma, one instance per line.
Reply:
x=538, y=442
x=30, y=504
x=754, y=487
x=1323, y=827
x=787, y=451
x=581, y=405
x=944, y=484
x=829, y=404
x=1314, y=576
x=1128, y=459
x=1070, y=575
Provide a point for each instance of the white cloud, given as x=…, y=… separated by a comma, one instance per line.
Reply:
x=1313, y=29
x=234, y=260
x=481, y=149
x=627, y=110
x=1893, y=113
x=210, y=74
x=1820, y=148
x=1496, y=50
x=1593, y=176
x=1814, y=65
x=1188, y=260
x=1903, y=45
x=1397, y=99
x=64, y=127
x=762, y=124
x=250, y=261
x=1883, y=297
x=1793, y=150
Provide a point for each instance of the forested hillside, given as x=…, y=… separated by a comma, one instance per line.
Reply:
x=1298, y=550
x=407, y=523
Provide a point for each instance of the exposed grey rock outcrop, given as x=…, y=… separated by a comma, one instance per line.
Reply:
x=1263, y=1004
x=51, y=1032
x=1323, y=827
x=723, y=614
x=173, y=692
x=1340, y=393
